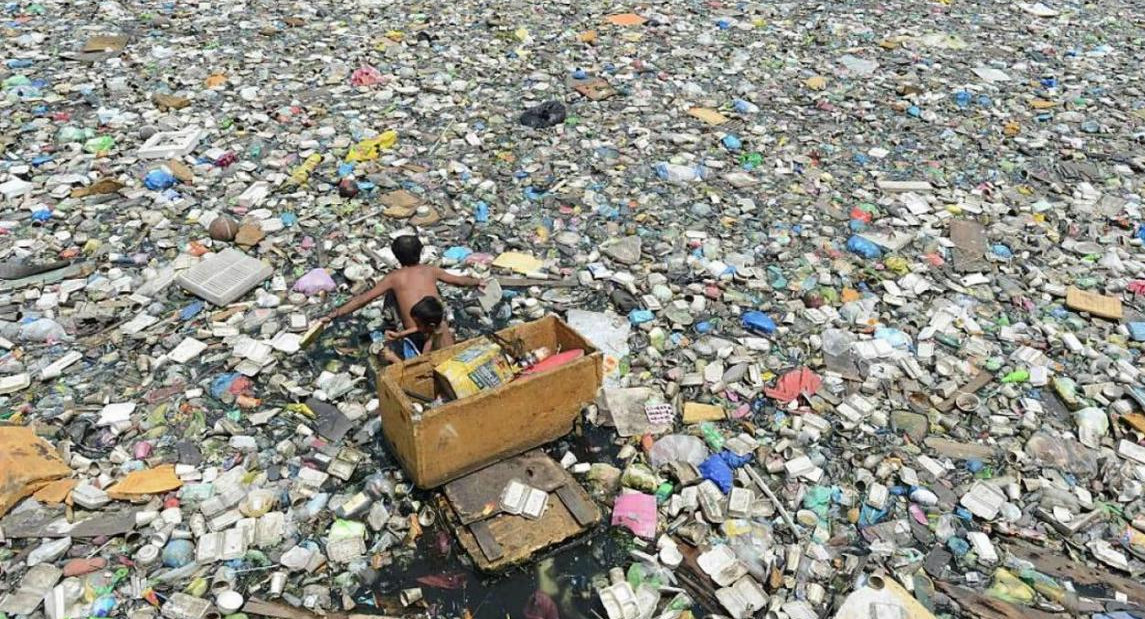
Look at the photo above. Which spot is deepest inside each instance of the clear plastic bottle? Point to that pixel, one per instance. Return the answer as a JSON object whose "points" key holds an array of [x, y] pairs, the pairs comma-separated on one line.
{"points": [[675, 173]]}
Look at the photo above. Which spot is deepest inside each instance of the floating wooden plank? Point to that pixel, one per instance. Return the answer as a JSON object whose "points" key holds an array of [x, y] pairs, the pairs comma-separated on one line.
{"points": [[581, 509], [489, 546]]}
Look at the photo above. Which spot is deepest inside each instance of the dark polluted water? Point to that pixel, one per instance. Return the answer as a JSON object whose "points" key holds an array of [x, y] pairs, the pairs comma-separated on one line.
{"points": [[565, 574]]}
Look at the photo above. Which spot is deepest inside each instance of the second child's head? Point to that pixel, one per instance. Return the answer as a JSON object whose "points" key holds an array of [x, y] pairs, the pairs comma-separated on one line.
{"points": [[428, 314], [407, 249]]}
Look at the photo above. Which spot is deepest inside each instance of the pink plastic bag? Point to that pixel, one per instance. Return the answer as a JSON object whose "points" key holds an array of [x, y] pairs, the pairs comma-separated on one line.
{"points": [[637, 513], [366, 76], [317, 280]]}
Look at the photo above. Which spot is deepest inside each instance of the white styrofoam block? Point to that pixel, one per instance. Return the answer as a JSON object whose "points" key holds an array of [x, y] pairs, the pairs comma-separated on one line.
{"points": [[170, 144]]}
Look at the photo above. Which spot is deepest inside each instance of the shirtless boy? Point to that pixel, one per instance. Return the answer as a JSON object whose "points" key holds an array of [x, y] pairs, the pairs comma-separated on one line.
{"points": [[410, 284]]}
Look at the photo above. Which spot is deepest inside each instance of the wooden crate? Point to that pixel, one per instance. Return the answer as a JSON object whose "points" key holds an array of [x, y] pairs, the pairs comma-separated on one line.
{"points": [[465, 435]]}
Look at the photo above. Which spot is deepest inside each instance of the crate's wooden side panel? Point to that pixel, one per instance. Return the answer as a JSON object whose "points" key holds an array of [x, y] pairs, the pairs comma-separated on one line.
{"points": [[483, 429], [396, 423]]}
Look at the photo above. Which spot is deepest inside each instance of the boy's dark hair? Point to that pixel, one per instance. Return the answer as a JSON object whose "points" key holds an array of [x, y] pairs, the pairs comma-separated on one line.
{"points": [[407, 249], [429, 312]]}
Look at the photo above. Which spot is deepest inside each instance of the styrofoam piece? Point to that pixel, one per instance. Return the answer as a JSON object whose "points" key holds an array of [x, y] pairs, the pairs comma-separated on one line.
{"points": [[743, 599], [983, 500], [169, 144], [224, 277], [254, 195], [15, 188], [188, 349], [524, 500]]}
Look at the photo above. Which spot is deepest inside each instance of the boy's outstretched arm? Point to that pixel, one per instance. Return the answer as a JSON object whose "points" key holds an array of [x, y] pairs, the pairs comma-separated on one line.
{"points": [[456, 280], [357, 302]]}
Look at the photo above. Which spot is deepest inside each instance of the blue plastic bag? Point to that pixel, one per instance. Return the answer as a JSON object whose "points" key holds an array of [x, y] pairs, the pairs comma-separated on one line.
{"points": [[734, 461], [158, 180], [758, 322], [718, 471], [858, 245]]}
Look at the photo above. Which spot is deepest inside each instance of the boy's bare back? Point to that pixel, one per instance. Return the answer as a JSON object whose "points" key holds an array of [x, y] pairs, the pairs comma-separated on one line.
{"points": [[410, 285]]}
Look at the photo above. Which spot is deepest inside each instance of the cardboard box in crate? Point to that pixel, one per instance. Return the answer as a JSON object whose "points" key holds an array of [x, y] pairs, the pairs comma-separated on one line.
{"points": [[465, 435]]}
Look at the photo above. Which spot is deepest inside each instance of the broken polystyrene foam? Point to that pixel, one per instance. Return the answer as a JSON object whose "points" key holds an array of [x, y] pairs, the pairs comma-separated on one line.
{"points": [[116, 413], [171, 144], [225, 276], [722, 565], [187, 350], [522, 499], [983, 500], [254, 195]]}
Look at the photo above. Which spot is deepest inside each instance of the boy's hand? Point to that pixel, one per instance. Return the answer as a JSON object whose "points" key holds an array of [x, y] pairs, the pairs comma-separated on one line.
{"points": [[392, 335]]}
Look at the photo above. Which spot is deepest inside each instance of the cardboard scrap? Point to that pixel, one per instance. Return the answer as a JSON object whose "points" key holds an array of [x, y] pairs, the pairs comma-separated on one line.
{"points": [[625, 19], [167, 102], [55, 492], [595, 89], [694, 412], [708, 115], [518, 262], [148, 481], [969, 238], [26, 461], [249, 234], [817, 82], [105, 43], [180, 170], [101, 187], [1135, 421], [1093, 303], [399, 199], [399, 204]]}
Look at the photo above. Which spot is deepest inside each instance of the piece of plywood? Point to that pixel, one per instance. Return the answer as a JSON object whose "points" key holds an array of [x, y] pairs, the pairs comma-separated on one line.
{"points": [[578, 504], [519, 539], [476, 496], [484, 537], [1093, 303]]}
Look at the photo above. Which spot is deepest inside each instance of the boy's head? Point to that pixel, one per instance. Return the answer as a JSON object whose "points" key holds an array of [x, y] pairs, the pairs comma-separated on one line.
{"points": [[407, 249], [428, 313]]}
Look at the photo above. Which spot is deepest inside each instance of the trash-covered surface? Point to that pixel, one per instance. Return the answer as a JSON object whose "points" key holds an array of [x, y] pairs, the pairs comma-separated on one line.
{"points": [[867, 277]]}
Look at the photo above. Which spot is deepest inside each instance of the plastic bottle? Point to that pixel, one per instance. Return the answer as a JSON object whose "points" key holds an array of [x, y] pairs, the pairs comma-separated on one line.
{"points": [[712, 436], [49, 551], [254, 153], [1017, 376], [837, 342], [302, 173], [675, 173]]}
